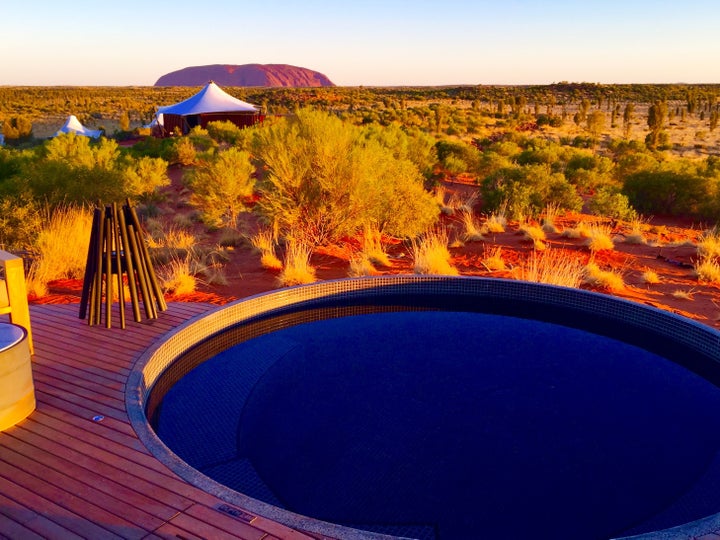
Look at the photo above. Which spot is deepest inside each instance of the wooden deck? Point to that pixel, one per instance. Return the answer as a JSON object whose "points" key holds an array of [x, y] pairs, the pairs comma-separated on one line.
{"points": [[76, 469]]}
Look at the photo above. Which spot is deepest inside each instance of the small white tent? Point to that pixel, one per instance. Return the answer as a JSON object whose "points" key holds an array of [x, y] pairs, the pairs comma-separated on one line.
{"points": [[72, 124], [210, 104]]}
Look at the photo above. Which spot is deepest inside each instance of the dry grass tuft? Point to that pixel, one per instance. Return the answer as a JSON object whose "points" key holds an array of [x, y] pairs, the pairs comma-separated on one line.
{"points": [[177, 276], [581, 230], [264, 243], [60, 250], [472, 227], [609, 280], [372, 247], [360, 265], [636, 235], [493, 261], [297, 269], [650, 277], [552, 212], [707, 270], [495, 223], [708, 246], [554, 267], [600, 238], [683, 295], [431, 254]]}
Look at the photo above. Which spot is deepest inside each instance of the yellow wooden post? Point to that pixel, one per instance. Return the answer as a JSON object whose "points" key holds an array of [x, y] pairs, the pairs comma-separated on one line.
{"points": [[17, 301]]}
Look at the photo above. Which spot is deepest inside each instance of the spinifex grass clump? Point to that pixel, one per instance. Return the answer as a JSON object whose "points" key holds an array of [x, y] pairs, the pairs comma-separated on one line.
{"points": [[177, 276], [548, 221], [60, 249], [554, 267], [708, 270], [372, 246], [495, 223], [431, 254], [534, 234], [637, 234], [600, 238], [493, 260], [297, 269], [708, 246], [608, 280], [650, 277], [472, 227], [264, 243]]}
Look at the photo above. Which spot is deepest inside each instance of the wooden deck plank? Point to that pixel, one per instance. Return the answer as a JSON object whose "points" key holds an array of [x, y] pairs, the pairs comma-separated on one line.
{"points": [[146, 482], [59, 510], [32, 522], [64, 474]]}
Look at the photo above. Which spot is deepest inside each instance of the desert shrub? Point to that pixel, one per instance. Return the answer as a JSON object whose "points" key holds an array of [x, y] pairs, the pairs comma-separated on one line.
{"points": [[669, 190], [221, 187], [457, 156], [182, 152], [609, 202], [72, 169], [21, 219], [413, 145], [527, 190], [228, 133], [143, 177], [323, 179]]}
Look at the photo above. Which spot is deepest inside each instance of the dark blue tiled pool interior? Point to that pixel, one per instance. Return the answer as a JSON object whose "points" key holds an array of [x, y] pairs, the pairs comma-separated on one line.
{"points": [[444, 422]]}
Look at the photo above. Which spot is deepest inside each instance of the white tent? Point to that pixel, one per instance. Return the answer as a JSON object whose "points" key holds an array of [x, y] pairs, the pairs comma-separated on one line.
{"points": [[73, 125], [209, 104]]}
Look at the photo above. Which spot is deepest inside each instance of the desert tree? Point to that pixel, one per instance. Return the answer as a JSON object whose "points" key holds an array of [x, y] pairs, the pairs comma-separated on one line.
{"points": [[657, 115], [596, 123]]}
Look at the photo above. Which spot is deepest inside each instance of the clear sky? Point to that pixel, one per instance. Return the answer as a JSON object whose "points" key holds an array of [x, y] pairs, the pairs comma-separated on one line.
{"points": [[364, 42]]}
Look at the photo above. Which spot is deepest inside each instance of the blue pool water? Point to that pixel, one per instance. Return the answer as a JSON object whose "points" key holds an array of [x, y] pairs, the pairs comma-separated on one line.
{"points": [[453, 425]]}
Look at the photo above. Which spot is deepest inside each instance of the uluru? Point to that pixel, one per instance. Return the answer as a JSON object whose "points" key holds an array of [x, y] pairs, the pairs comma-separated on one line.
{"points": [[245, 75]]}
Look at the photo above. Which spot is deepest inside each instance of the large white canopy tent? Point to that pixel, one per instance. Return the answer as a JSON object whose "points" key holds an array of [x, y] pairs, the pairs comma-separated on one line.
{"points": [[210, 104], [73, 125]]}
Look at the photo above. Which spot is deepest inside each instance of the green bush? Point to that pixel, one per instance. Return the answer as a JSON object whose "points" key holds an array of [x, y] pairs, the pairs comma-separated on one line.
{"points": [[669, 192], [609, 202], [323, 179], [528, 190], [221, 187]]}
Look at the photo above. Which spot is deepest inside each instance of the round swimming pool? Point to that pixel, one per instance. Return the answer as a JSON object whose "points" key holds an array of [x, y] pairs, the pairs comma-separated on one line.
{"points": [[442, 408]]}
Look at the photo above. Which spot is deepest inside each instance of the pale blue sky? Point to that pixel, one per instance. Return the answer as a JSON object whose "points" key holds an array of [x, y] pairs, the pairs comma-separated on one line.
{"points": [[371, 42]]}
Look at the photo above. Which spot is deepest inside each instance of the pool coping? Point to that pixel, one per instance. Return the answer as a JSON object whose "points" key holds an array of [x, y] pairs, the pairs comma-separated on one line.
{"points": [[499, 292]]}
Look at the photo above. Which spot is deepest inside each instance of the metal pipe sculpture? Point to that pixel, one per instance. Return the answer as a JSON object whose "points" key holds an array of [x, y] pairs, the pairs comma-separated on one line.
{"points": [[117, 248]]}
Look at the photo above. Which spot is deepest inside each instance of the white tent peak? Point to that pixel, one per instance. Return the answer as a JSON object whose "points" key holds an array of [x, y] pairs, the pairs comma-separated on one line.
{"points": [[73, 125], [211, 99]]}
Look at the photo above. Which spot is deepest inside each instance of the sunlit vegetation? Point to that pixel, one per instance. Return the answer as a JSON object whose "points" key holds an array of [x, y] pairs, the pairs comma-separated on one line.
{"points": [[431, 254], [554, 267], [330, 161]]}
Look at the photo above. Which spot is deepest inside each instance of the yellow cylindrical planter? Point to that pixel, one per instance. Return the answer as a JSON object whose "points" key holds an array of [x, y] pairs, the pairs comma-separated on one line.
{"points": [[17, 392]]}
